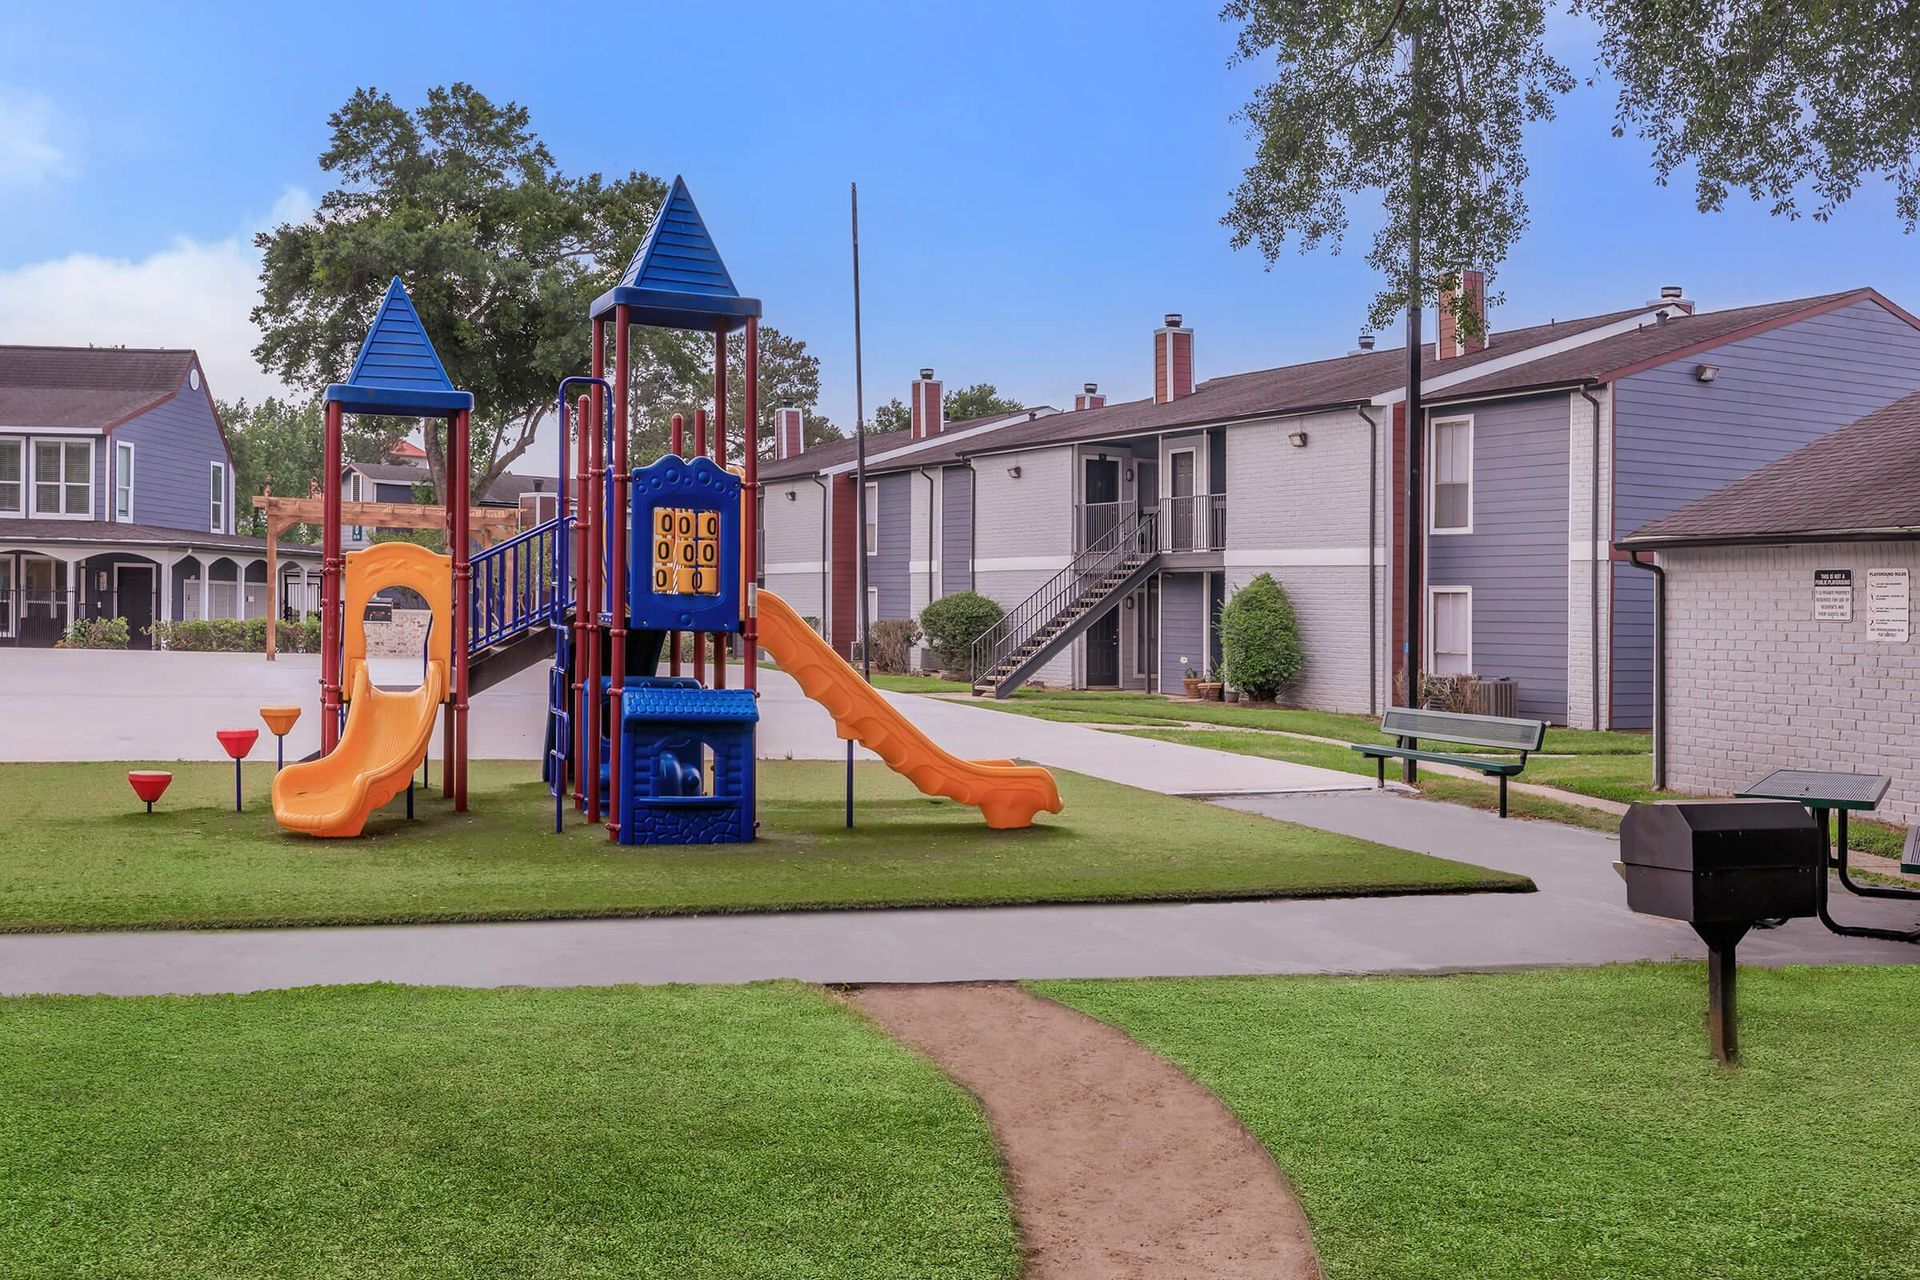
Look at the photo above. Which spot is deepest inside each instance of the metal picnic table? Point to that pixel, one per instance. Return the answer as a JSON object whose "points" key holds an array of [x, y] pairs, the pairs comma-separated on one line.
{"points": [[1825, 794]]}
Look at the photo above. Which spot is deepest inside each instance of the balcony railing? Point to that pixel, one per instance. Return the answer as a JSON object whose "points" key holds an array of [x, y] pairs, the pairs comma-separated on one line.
{"points": [[1197, 523]]}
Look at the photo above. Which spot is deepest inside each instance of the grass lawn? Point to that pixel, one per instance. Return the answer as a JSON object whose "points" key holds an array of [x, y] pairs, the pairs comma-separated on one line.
{"points": [[918, 684], [1567, 1125], [82, 854], [669, 1132]]}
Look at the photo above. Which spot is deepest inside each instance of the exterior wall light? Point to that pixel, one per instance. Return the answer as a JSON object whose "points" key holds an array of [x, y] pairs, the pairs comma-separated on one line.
{"points": [[790, 495], [1013, 472], [1298, 439], [1706, 372]]}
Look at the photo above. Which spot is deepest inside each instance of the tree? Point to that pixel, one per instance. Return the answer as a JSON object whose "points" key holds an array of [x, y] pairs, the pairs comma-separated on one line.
{"points": [[1260, 650], [1787, 102], [981, 400], [277, 444], [789, 374], [891, 416], [501, 251]]}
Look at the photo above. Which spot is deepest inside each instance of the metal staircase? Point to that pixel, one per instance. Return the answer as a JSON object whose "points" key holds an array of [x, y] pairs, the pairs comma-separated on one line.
{"points": [[1036, 629]]}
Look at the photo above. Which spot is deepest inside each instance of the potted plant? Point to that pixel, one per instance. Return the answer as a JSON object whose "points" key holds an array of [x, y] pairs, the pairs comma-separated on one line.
{"points": [[1211, 691], [1191, 682]]}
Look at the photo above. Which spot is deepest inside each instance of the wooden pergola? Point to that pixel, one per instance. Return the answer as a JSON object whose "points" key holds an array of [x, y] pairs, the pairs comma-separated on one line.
{"points": [[489, 525]]}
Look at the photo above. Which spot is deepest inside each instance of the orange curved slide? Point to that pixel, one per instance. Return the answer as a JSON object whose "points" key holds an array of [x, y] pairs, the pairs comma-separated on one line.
{"points": [[1007, 795], [385, 740]]}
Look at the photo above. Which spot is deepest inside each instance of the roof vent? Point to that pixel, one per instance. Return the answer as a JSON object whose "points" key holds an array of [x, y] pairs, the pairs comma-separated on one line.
{"points": [[1672, 295], [1173, 319], [926, 373], [1669, 292]]}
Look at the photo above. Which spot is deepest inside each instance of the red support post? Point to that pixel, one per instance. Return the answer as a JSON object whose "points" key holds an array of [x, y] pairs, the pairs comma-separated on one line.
{"points": [[679, 451], [720, 460], [750, 510], [700, 637], [331, 568], [462, 468], [581, 419], [617, 566], [596, 532]]}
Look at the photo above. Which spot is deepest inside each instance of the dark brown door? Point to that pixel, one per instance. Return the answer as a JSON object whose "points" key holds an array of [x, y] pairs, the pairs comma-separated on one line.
{"points": [[133, 600], [1103, 652]]}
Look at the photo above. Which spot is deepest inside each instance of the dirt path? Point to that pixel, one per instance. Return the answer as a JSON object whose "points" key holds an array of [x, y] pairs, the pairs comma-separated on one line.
{"points": [[1120, 1166]]}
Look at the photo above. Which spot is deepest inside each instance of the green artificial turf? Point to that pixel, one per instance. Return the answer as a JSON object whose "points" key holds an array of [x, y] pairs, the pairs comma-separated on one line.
{"points": [[380, 1132], [81, 854], [1567, 1125]]}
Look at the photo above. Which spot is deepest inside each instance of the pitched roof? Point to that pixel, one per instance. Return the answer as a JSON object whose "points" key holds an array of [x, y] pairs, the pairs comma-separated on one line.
{"points": [[14, 531], [1295, 388], [86, 386], [509, 487], [1652, 343], [397, 371], [1862, 479], [829, 453], [676, 278]]}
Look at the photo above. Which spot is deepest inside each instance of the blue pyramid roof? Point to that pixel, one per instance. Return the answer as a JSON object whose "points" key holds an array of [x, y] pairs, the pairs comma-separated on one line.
{"points": [[397, 371], [676, 279]]}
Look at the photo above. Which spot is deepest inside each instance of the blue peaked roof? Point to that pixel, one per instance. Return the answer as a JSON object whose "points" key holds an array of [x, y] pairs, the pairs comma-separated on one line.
{"points": [[676, 279], [659, 702], [397, 371]]}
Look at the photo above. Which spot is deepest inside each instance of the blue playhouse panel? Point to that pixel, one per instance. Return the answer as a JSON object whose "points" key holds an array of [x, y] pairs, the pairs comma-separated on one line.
{"points": [[397, 371], [664, 726], [690, 484], [676, 279]]}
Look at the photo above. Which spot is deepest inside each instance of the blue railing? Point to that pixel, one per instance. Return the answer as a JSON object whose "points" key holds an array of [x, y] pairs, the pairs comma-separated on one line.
{"points": [[520, 584]]}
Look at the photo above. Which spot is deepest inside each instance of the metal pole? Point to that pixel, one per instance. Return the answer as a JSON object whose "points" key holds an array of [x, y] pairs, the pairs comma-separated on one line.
{"points": [[1722, 1021], [750, 521], [596, 513], [859, 480], [462, 598], [330, 569], [1415, 560], [720, 460], [699, 637], [617, 564], [679, 450]]}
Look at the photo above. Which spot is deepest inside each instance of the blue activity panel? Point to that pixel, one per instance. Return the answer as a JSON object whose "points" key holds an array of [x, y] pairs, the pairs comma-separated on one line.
{"points": [[685, 547]]}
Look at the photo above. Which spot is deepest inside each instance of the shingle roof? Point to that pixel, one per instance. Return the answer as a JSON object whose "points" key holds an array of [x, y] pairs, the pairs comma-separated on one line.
{"points": [[1294, 388], [390, 472], [1596, 361], [508, 488], [832, 453], [93, 532], [85, 386], [1861, 479]]}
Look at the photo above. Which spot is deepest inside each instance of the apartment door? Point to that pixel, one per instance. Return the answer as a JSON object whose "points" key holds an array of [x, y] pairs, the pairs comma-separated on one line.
{"points": [[9, 603], [1180, 501], [1103, 652], [1146, 485], [133, 600], [1099, 499]]}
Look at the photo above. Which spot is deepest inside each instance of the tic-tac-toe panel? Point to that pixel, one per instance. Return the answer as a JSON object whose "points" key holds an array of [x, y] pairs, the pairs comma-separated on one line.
{"points": [[686, 512]]}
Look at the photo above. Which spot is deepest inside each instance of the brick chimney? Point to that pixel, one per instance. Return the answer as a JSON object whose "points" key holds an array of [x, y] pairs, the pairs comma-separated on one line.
{"points": [[787, 423], [1172, 360], [1089, 398], [929, 412], [1473, 282], [1672, 295]]}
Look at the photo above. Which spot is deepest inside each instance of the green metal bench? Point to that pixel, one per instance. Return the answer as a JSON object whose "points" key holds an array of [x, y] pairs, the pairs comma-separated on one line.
{"points": [[1406, 723]]}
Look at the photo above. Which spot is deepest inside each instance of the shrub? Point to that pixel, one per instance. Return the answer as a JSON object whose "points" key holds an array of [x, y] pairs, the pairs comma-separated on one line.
{"points": [[95, 633], [235, 635], [952, 623], [893, 640], [1260, 640], [1440, 693]]}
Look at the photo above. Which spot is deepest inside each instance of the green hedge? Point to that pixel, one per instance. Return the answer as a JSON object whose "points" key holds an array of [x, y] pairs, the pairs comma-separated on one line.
{"points": [[1260, 640], [953, 623], [235, 635], [95, 633]]}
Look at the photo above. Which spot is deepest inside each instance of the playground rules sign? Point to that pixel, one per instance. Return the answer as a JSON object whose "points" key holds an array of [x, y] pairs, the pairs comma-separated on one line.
{"points": [[1889, 605], [1833, 595]]}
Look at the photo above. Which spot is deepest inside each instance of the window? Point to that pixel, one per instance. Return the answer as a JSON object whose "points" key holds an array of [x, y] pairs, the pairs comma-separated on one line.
{"points": [[873, 519], [217, 497], [1450, 631], [13, 477], [122, 481], [63, 478], [873, 605], [1452, 467]]}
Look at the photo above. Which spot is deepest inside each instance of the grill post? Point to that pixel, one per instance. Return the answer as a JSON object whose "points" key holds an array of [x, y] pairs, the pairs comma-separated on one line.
{"points": [[1722, 1020]]}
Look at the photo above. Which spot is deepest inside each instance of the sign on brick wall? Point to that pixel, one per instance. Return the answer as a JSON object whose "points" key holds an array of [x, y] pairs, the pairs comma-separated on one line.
{"points": [[1833, 595], [1889, 605]]}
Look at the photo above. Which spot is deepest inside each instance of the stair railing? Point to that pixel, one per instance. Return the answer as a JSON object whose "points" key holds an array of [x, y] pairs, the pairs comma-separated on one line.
{"points": [[1130, 539], [519, 584]]}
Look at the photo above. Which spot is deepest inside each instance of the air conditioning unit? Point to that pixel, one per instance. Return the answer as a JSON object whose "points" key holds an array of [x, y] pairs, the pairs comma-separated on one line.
{"points": [[1496, 698]]}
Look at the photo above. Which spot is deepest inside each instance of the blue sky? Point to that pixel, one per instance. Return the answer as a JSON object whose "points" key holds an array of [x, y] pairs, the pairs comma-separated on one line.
{"points": [[1038, 182]]}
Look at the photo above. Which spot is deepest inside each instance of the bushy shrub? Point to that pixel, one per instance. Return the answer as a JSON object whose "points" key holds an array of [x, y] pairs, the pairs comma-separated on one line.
{"points": [[952, 623], [893, 640], [1260, 640], [235, 635], [95, 633]]}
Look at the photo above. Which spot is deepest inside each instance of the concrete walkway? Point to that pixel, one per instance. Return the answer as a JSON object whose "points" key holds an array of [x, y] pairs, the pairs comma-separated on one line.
{"points": [[1578, 917]]}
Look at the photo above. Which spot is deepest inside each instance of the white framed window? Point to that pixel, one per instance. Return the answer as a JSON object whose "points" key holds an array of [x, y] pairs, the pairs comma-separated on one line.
{"points": [[217, 497], [13, 477], [356, 492], [1450, 630], [1450, 463], [873, 605], [873, 518], [63, 479], [123, 481]]}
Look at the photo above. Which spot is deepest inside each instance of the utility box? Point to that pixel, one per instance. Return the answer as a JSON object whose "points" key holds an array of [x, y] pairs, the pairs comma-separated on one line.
{"points": [[1722, 861]]}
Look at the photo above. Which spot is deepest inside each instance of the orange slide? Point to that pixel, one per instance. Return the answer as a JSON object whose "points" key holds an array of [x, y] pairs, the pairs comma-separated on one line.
{"points": [[387, 733], [1007, 795]]}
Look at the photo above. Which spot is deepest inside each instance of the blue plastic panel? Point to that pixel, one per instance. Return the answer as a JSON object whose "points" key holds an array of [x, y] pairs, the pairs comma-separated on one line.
{"points": [[687, 484]]}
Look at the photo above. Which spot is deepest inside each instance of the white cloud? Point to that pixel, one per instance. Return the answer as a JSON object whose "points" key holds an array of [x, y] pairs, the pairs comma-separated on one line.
{"points": [[30, 152], [194, 293]]}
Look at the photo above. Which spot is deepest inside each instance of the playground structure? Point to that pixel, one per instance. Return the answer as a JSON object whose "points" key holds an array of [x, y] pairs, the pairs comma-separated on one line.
{"points": [[638, 563]]}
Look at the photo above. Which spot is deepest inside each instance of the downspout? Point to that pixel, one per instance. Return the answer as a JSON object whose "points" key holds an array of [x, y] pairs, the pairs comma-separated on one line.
{"points": [[1373, 570], [826, 556], [931, 533], [1593, 564], [1659, 667]]}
